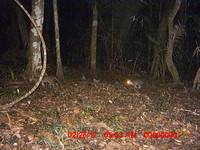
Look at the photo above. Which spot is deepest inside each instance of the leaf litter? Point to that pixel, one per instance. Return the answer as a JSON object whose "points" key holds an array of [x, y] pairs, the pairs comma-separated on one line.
{"points": [[77, 113]]}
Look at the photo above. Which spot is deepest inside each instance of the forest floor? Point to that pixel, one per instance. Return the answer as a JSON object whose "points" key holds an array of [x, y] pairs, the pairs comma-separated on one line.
{"points": [[99, 111]]}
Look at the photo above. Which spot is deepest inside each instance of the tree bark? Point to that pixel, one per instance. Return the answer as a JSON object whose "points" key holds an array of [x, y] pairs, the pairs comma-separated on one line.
{"points": [[23, 27], [59, 71], [159, 57], [196, 82], [94, 38], [5, 107], [34, 65], [169, 54], [48, 9]]}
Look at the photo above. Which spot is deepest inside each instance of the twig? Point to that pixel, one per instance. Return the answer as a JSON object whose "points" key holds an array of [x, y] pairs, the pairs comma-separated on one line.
{"points": [[194, 113], [9, 120]]}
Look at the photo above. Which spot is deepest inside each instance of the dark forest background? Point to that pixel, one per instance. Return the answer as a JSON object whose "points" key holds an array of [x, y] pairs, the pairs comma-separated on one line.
{"points": [[127, 34]]}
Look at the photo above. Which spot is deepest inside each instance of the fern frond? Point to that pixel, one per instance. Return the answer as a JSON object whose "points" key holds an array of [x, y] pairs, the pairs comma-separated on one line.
{"points": [[152, 39], [179, 32]]}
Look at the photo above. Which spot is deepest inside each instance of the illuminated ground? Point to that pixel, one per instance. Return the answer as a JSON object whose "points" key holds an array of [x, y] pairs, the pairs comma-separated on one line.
{"points": [[96, 104]]}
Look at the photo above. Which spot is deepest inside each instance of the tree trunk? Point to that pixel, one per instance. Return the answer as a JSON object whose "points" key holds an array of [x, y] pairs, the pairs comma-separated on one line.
{"points": [[34, 65], [158, 66], [196, 82], [111, 55], [149, 45], [23, 27], [171, 39], [94, 38], [160, 45], [59, 71], [48, 9]]}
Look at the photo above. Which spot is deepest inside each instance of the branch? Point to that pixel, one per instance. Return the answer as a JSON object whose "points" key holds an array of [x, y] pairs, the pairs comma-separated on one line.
{"points": [[194, 113], [175, 9]]}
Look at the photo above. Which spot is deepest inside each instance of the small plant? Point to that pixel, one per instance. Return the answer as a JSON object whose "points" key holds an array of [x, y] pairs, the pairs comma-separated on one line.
{"points": [[9, 93], [11, 73], [96, 81], [83, 78], [52, 113]]}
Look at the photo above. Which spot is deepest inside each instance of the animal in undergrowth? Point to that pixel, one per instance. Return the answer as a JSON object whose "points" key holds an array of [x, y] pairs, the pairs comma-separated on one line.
{"points": [[137, 84], [47, 81]]}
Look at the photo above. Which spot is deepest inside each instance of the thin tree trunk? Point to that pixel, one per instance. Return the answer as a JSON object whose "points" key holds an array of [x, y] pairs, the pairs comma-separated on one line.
{"points": [[150, 46], [157, 67], [112, 42], [46, 30], [34, 65], [196, 82], [94, 38], [169, 53], [160, 10], [59, 71], [23, 27], [160, 46]]}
